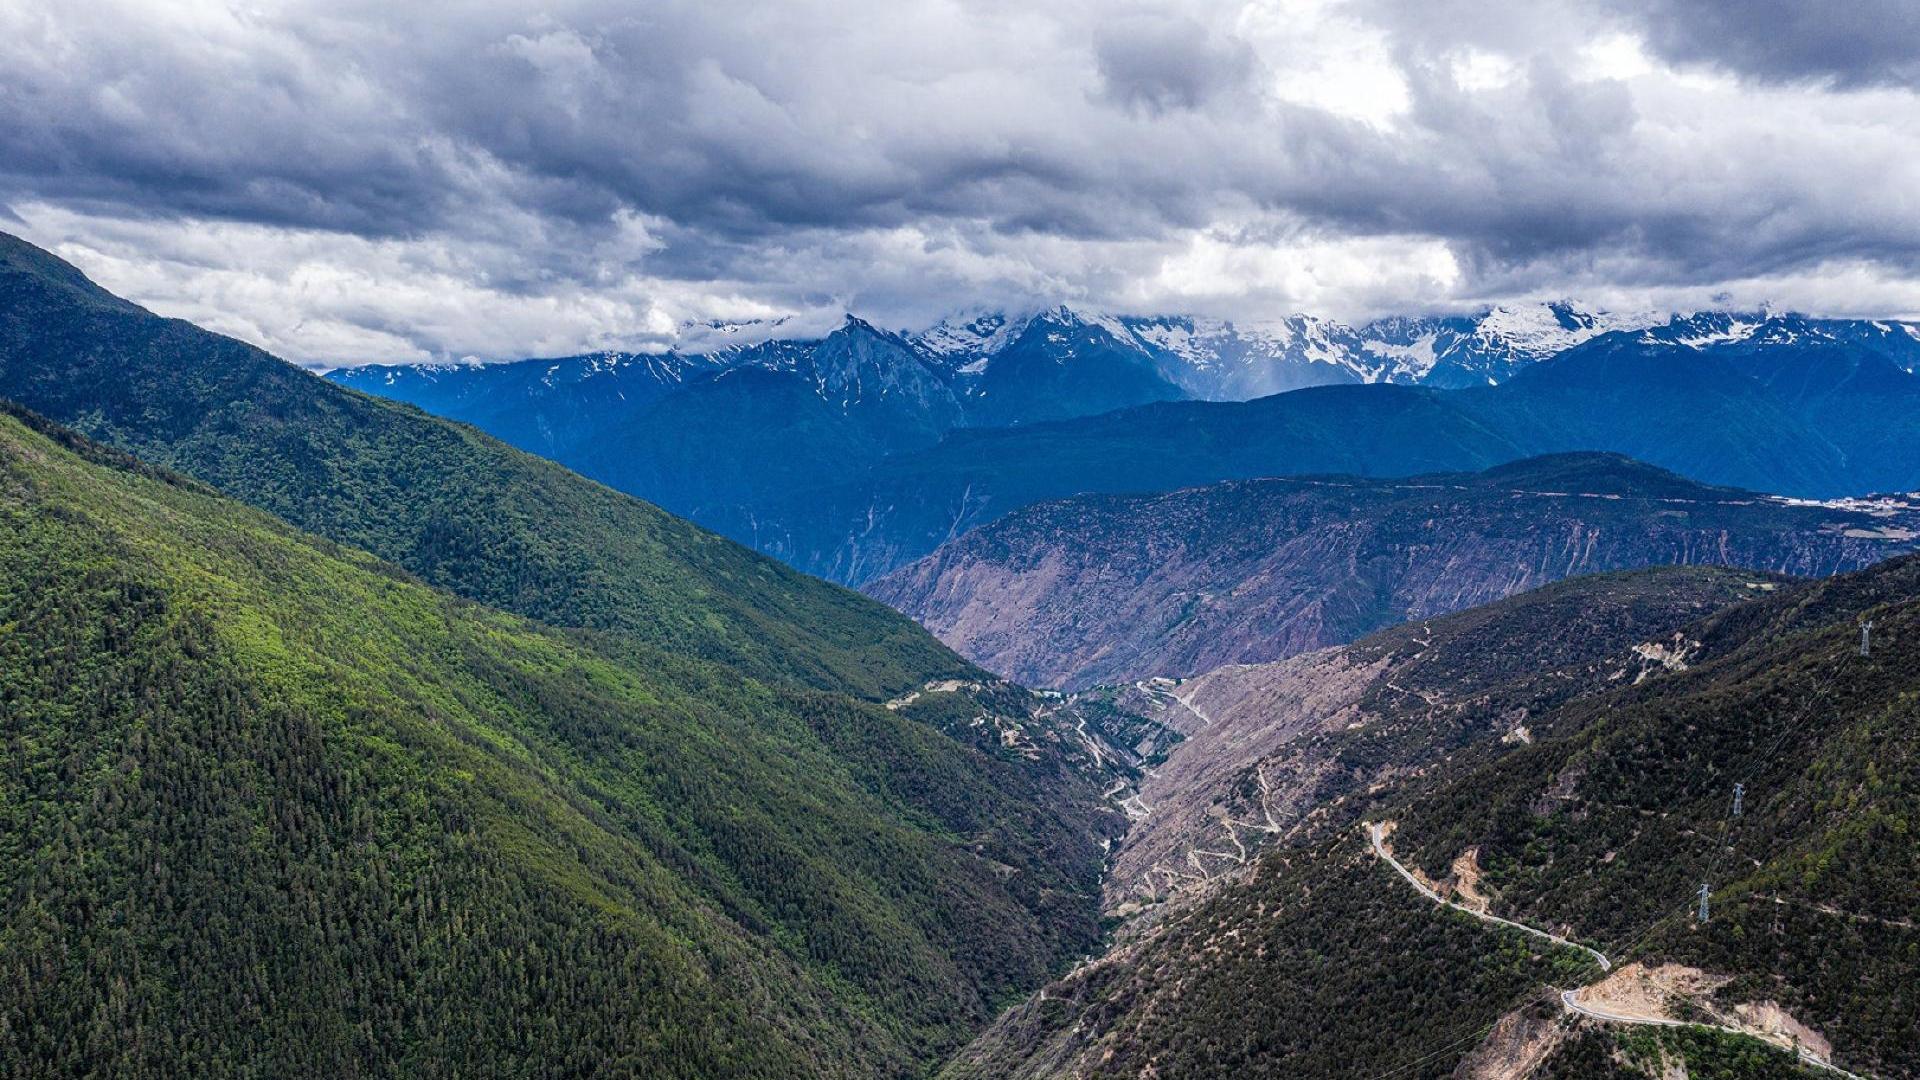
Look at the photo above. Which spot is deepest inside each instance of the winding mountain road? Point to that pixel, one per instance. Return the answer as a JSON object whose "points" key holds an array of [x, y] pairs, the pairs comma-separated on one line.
{"points": [[1569, 999], [1377, 833]]}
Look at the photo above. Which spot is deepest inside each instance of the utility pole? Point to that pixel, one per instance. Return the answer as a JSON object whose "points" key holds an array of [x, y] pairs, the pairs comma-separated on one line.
{"points": [[1739, 793], [1703, 903], [1866, 639]]}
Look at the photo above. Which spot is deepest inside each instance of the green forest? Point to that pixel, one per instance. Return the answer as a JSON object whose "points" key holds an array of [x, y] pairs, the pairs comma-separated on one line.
{"points": [[274, 807], [461, 510]]}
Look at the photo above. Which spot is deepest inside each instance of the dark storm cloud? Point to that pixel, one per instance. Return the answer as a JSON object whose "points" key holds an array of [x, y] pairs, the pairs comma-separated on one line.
{"points": [[1156, 62], [1851, 44], [677, 159]]}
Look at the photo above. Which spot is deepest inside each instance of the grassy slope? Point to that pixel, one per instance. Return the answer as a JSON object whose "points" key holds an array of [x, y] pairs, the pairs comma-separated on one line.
{"points": [[460, 509], [270, 805]]}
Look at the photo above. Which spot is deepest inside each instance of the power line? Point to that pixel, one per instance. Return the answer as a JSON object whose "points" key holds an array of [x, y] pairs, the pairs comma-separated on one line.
{"points": [[1822, 689]]}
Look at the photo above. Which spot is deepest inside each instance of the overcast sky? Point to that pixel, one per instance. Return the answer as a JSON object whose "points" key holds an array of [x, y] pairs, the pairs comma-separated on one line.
{"points": [[345, 181]]}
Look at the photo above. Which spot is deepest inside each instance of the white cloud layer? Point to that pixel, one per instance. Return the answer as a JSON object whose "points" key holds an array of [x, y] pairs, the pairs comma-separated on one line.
{"points": [[346, 181]]}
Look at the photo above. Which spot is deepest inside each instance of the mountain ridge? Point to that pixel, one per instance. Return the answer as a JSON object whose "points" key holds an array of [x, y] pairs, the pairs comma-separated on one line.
{"points": [[1115, 588], [275, 805], [1780, 403], [451, 504]]}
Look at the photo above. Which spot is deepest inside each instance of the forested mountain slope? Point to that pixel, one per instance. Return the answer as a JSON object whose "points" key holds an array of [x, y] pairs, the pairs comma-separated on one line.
{"points": [[456, 507], [269, 806], [1601, 824], [1612, 821], [1112, 588]]}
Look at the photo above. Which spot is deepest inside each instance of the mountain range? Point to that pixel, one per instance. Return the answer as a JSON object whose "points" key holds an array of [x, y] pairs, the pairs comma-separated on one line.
{"points": [[1116, 588], [1202, 358], [851, 455], [337, 738], [1813, 421]]}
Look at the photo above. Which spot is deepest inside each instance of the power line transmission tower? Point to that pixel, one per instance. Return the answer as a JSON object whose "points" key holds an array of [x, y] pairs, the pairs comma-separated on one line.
{"points": [[1703, 903], [1866, 638], [1739, 795]]}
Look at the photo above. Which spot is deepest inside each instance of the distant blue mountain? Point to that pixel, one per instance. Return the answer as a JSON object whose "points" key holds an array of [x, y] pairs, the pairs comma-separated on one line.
{"points": [[849, 454], [1061, 365]]}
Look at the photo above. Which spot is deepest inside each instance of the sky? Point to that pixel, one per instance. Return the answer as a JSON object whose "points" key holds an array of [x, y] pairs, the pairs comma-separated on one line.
{"points": [[348, 181]]}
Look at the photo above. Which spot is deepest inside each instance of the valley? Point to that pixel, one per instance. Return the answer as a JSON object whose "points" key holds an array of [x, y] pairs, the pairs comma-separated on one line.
{"points": [[955, 540], [1775, 686], [1408, 762]]}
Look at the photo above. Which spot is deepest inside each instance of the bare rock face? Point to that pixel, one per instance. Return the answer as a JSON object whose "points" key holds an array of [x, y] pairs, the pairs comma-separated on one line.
{"points": [[1201, 819], [1107, 589], [1518, 1044]]}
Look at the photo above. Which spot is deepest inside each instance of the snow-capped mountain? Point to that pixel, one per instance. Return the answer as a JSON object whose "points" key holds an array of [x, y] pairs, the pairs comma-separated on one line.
{"points": [[1058, 364], [960, 341], [862, 370], [998, 368], [1220, 360], [1459, 351], [1897, 341]]}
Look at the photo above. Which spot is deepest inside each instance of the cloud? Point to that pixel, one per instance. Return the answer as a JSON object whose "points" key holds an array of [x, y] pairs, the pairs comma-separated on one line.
{"points": [[1853, 44], [353, 180], [1155, 63]]}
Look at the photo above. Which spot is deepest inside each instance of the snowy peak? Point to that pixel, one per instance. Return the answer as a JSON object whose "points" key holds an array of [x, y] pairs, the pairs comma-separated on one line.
{"points": [[1456, 351], [1221, 360], [1063, 334], [1897, 341], [861, 361], [965, 344], [1537, 331], [1705, 329], [971, 336], [860, 367], [1216, 359], [1071, 319]]}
